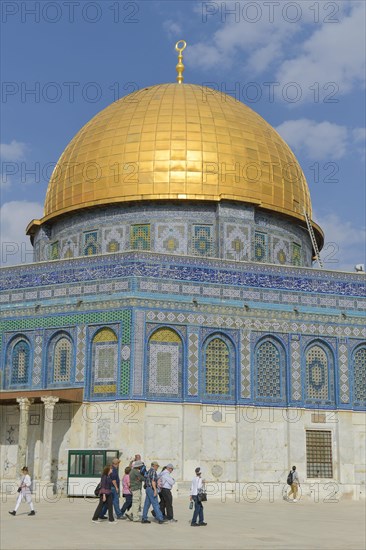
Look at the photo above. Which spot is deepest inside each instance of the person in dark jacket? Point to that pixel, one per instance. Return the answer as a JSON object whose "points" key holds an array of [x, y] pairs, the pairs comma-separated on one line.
{"points": [[105, 496]]}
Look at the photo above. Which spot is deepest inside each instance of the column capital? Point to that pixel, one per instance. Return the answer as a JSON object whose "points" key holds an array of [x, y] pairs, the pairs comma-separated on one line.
{"points": [[24, 403], [49, 401]]}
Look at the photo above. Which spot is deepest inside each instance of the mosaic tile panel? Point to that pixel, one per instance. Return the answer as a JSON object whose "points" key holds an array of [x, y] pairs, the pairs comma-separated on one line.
{"points": [[69, 247], [296, 389], [114, 239], [343, 371], [236, 242], [104, 433], [245, 364], [171, 238], [281, 251], [80, 354], [125, 353], [139, 324], [359, 370], [193, 358], [37, 360], [165, 268]]}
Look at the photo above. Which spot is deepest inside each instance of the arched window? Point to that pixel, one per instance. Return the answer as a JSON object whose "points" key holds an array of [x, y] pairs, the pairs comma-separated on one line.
{"points": [[269, 372], [104, 361], [217, 368], [165, 358], [359, 374], [62, 360], [20, 362], [317, 376]]}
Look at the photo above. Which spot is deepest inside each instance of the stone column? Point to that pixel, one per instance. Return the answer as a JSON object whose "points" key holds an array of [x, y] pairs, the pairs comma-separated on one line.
{"points": [[24, 404], [49, 405]]}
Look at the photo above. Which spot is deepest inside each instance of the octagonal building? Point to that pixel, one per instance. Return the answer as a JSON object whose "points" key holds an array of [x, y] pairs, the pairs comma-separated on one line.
{"points": [[172, 309]]}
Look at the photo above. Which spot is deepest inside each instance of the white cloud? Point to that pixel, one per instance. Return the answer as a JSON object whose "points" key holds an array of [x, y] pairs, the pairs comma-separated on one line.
{"points": [[317, 140], [172, 28], [14, 217], [310, 50], [333, 53], [10, 153], [15, 150], [344, 243], [359, 134]]}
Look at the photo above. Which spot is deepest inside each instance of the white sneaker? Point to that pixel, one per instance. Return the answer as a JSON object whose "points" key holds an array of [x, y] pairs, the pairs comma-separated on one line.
{"points": [[295, 500], [112, 522], [95, 520]]}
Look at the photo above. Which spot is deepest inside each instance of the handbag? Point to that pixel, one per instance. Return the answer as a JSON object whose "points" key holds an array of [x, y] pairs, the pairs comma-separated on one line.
{"points": [[19, 489], [97, 489], [202, 495]]}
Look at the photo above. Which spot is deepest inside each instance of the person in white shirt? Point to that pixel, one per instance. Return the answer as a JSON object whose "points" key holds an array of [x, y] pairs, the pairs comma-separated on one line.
{"points": [[24, 491], [166, 482], [196, 487]]}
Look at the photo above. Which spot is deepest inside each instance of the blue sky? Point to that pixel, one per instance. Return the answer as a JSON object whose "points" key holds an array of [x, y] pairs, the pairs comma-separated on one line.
{"points": [[300, 65]]}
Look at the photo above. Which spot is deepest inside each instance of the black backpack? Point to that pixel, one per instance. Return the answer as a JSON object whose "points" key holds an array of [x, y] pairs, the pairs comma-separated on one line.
{"points": [[289, 478]]}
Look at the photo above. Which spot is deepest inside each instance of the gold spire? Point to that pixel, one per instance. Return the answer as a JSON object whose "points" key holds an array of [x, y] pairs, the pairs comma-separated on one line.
{"points": [[180, 46]]}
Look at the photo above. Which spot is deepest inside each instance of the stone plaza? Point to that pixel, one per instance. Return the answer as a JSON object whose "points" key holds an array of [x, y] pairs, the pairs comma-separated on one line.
{"points": [[310, 524]]}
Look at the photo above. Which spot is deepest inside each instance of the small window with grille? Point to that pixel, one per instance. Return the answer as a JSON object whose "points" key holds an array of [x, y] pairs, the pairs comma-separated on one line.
{"points": [[319, 454]]}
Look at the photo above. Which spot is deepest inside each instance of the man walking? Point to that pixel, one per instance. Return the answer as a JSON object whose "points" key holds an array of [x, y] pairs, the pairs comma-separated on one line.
{"points": [[294, 485], [151, 499], [136, 480], [166, 497]]}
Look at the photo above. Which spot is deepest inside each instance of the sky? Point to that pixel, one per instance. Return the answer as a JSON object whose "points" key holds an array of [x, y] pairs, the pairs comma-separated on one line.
{"points": [[300, 65]]}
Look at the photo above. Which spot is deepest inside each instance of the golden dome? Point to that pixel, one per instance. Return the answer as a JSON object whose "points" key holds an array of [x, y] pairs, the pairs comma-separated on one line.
{"points": [[177, 141]]}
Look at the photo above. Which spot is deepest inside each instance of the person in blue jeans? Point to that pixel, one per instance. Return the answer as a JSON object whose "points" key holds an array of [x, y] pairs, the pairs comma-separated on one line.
{"points": [[114, 475], [151, 499], [196, 487]]}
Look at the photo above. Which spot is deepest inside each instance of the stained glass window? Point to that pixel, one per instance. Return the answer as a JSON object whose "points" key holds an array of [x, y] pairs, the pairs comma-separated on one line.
{"points": [[20, 363], [217, 368], [105, 361], [202, 241], [359, 369], [140, 237], [296, 254], [165, 362], [268, 370], [317, 373], [260, 247], [62, 360]]}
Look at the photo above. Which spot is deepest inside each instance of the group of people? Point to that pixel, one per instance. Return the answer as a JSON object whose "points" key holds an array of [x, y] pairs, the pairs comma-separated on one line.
{"points": [[137, 477]]}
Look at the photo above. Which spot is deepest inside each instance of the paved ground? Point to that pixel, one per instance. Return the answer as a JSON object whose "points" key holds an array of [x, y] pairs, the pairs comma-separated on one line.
{"points": [[279, 525]]}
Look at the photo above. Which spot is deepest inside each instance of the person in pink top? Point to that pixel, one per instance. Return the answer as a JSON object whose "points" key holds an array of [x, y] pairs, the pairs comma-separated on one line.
{"points": [[126, 492]]}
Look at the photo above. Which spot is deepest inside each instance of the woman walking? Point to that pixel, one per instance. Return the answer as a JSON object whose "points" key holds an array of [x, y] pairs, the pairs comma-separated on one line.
{"points": [[126, 491], [105, 496], [196, 487], [24, 491]]}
